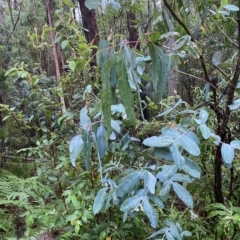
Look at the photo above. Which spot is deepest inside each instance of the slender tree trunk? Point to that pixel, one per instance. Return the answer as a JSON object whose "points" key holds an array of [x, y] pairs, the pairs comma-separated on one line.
{"points": [[172, 77], [89, 23], [56, 49], [132, 31]]}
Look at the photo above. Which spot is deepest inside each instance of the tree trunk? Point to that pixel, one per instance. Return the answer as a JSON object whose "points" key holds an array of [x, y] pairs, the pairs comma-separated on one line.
{"points": [[132, 31], [89, 23], [172, 77], [58, 58]]}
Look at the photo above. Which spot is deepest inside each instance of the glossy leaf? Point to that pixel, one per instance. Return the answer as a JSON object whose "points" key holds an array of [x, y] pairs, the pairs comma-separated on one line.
{"points": [[183, 194], [227, 153], [99, 200]]}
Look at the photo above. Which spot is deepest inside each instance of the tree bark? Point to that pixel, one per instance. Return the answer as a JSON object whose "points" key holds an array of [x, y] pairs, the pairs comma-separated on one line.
{"points": [[56, 49], [89, 23]]}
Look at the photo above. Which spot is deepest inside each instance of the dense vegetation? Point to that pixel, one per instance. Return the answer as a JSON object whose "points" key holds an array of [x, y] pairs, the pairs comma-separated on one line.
{"points": [[119, 119]]}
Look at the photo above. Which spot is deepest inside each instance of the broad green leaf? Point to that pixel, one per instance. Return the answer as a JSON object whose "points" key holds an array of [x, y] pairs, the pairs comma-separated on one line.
{"points": [[159, 70], [75, 148], [154, 37], [183, 194], [217, 213], [87, 149], [157, 141], [167, 172], [191, 168], [125, 93], [206, 132], [64, 44], [235, 144], [128, 183], [99, 200], [203, 115], [150, 212], [92, 4], [178, 177], [101, 141], [224, 2], [68, 3], [85, 120], [227, 153], [72, 65]]}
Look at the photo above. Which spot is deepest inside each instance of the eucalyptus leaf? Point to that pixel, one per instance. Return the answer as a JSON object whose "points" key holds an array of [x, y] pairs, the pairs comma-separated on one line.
{"points": [[167, 172], [150, 212], [99, 200], [85, 120], [227, 153], [235, 144], [183, 194], [75, 148]]}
